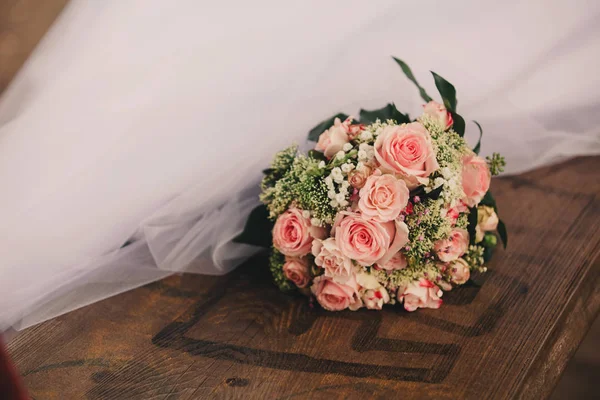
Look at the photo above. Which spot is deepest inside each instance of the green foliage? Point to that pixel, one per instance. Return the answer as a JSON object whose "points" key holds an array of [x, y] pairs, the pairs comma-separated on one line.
{"points": [[258, 229], [276, 261], [425, 227], [411, 77], [496, 163], [459, 124], [488, 200], [503, 233], [447, 91], [478, 145], [471, 227], [383, 114], [323, 126], [317, 155]]}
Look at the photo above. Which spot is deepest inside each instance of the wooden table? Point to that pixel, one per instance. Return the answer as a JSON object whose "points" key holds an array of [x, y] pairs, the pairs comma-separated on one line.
{"points": [[509, 335]]}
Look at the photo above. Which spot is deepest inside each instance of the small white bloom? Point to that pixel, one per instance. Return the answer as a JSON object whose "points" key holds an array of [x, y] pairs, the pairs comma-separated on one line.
{"points": [[347, 147], [347, 167], [362, 155], [366, 135], [306, 214], [315, 221], [322, 164], [331, 194], [333, 203], [439, 181], [329, 182], [340, 155], [336, 174]]}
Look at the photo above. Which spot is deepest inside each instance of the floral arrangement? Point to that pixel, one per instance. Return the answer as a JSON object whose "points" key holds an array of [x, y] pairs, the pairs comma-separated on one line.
{"points": [[384, 210]]}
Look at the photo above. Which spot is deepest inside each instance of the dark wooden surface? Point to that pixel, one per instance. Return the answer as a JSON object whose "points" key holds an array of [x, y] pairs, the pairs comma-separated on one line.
{"points": [[236, 336]]}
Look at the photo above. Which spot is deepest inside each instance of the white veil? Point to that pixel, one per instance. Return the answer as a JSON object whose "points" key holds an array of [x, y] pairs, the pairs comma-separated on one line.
{"points": [[148, 122]]}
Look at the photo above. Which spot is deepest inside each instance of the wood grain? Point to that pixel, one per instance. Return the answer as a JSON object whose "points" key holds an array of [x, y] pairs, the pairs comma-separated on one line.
{"points": [[508, 336], [236, 336], [22, 25]]}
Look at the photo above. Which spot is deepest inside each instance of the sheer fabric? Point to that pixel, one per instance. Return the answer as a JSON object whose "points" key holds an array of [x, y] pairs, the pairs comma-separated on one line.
{"points": [[148, 122]]}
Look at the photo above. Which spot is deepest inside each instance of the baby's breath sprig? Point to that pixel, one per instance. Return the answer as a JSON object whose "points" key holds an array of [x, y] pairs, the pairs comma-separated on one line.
{"points": [[474, 258]]}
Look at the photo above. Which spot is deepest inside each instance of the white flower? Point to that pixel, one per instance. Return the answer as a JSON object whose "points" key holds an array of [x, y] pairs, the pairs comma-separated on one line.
{"points": [[366, 135], [362, 155], [340, 155], [340, 198], [333, 203], [446, 172], [347, 167], [321, 164], [329, 182], [439, 181], [306, 214], [347, 147], [336, 174], [331, 194], [315, 221]]}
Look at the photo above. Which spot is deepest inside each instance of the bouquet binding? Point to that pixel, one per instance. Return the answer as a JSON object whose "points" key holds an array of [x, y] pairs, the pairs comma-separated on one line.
{"points": [[384, 210]]}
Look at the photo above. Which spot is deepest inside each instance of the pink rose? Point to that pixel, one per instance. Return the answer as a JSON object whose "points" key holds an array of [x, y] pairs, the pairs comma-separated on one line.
{"points": [[439, 114], [368, 242], [296, 270], [397, 262], [358, 177], [329, 257], [476, 179], [454, 247], [421, 294], [374, 299], [354, 130], [335, 296], [293, 234], [333, 140], [460, 271], [453, 213], [406, 150], [383, 197], [487, 220]]}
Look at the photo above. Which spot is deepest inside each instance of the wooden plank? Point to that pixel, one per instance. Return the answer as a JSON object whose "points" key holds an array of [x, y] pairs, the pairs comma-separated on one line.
{"points": [[237, 336], [22, 25]]}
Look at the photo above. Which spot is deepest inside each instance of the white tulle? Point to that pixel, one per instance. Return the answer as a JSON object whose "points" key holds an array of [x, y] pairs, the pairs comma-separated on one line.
{"points": [[149, 121]]}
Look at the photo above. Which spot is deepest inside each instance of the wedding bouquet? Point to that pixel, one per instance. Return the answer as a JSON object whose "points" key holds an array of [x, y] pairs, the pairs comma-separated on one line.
{"points": [[384, 210]]}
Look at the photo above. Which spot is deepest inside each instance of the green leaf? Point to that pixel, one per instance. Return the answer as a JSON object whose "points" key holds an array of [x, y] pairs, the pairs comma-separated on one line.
{"points": [[323, 126], [478, 145], [411, 77], [317, 155], [472, 219], [503, 233], [488, 200], [447, 91], [258, 229], [459, 124], [488, 252], [420, 191], [388, 112]]}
